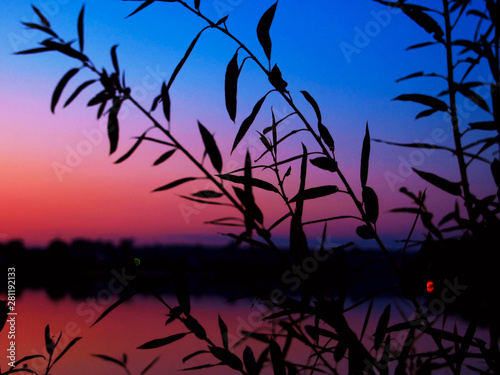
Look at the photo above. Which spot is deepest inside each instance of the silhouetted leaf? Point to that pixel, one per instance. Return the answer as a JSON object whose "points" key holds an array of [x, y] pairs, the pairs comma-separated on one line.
{"points": [[246, 197], [73, 342], [370, 201], [211, 148], [469, 46], [477, 13], [365, 232], [325, 163], [231, 86], [227, 357], [141, 7], [181, 289], [158, 141], [134, 147], [495, 171], [424, 20], [101, 109], [223, 332], [418, 74], [473, 96], [279, 221], [263, 29], [100, 98], [205, 202], [184, 58], [114, 59], [60, 87], [222, 20], [448, 186], [79, 89], [367, 318], [430, 101], [208, 194], [45, 29], [418, 15], [43, 20], [34, 50], [113, 306], [65, 49], [194, 326], [313, 103], [381, 327], [148, 367], [326, 136], [175, 183], [165, 98], [248, 122], [316, 192], [298, 240], [277, 358], [49, 344], [365, 157], [156, 100], [188, 357], [110, 359], [420, 45], [265, 141], [425, 113], [405, 352], [254, 182], [276, 79], [162, 342], [340, 350], [164, 157], [483, 125], [468, 337], [249, 360], [113, 126], [80, 28]]}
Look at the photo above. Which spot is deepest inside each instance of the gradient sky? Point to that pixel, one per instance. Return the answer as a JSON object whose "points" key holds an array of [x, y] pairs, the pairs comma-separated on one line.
{"points": [[97, 199]]}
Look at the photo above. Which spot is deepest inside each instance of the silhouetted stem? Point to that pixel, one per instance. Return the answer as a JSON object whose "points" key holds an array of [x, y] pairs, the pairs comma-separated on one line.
{"points": [[453, 113], [326, 152], [169, 135], [311, 345], [219, 185]]}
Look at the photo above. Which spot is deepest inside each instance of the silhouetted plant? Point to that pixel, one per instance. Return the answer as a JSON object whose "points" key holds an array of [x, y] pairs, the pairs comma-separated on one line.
{"points": [[479, 228], [314, 315], [50, 347]]}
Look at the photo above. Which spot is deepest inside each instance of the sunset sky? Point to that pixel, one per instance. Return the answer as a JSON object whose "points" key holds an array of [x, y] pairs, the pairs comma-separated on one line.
{"points": [[58, 181]]}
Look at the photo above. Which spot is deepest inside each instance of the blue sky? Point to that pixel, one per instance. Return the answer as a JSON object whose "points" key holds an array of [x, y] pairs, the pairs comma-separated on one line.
{"points": [[348, 57]]}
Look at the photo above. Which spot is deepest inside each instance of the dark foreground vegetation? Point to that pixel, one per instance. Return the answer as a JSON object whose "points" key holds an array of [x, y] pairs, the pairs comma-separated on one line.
{"points": [[456, 263]]}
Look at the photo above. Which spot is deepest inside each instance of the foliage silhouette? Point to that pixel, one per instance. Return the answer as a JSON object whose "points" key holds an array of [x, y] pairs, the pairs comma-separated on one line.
{"points": [[313, 301]]}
